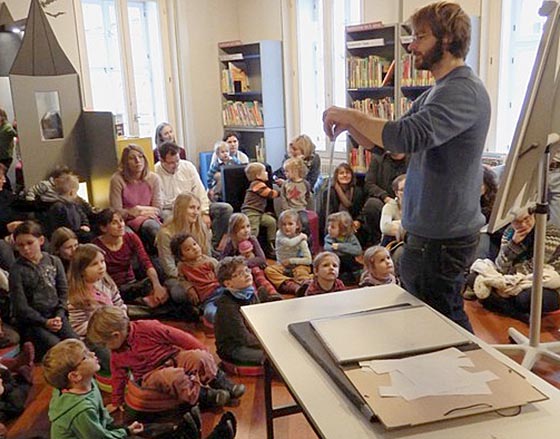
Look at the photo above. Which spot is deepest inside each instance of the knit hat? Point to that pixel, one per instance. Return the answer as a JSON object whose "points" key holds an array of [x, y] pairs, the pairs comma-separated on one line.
{"points": [[245, 246]]}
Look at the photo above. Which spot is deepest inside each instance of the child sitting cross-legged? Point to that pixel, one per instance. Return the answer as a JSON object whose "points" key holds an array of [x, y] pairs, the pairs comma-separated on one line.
{"points": [[325, 269], [76, 407], [292, 253], [160, 357], [378, 267], [341, 240], [198, 269], [234, 340]]}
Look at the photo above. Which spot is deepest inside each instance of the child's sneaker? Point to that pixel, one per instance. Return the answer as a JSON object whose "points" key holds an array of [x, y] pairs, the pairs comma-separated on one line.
{"points": [[210, 398], [223, 382]]}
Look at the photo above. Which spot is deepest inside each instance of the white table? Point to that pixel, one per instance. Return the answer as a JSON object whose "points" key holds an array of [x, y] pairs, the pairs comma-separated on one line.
{"points": [[333, 416]]}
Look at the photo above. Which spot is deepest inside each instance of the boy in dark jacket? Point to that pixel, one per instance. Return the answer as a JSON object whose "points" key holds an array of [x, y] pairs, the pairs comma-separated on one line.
{"points": [[234, 340]]}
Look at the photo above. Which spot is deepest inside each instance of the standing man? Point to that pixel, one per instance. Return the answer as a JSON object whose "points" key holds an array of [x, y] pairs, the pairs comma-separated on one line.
{"points": [[181, 176], [444, 132]]}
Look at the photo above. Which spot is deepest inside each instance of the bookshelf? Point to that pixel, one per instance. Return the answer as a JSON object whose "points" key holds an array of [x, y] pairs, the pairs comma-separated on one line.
{"points": [[380, 77], [252, 86]]}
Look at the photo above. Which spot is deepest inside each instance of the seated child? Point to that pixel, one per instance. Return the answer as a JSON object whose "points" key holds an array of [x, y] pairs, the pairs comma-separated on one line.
{"points": [[239, 229], [296, 191], [292, 253], [265, 290], [198, 269], [341, 240], [16, 378], [161, 357], [234, 340], [214, 176], [64, 243], [67, 211], [378, 267], [76, 408], [325, 269], [256, 197], [39, 291], [89, 287]]}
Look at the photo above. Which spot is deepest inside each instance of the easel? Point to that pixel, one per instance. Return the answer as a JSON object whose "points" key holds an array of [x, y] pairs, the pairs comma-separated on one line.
{"points": [[531, 345], [540, 115]]}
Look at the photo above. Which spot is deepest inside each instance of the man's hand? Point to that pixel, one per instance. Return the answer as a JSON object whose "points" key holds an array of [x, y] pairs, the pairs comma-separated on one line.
{"points": [[335, 121]]}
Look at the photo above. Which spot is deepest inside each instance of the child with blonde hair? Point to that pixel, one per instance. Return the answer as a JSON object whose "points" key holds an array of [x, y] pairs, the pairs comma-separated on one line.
{"points": [[379, 268], [256, 198], [239, 229], [214, 176], [341, 240], [67, 211], [292, 253], [159, 356], [326, 266], [302, 146]]}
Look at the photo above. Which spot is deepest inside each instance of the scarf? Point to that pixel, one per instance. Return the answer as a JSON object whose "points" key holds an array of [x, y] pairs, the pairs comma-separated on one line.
{"points": [[244, 294]]}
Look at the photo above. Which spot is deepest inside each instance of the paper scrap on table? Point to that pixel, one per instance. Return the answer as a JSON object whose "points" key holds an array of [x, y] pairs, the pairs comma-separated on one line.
{"points": [[436, 373]]}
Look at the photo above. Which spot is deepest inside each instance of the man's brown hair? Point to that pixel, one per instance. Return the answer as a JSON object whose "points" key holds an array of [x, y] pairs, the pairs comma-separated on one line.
{"points": [[446, 20]]}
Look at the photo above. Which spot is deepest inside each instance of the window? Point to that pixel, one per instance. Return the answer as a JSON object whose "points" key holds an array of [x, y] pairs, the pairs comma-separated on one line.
{"points": [[321, 60], [125, 62], [522, 29]]}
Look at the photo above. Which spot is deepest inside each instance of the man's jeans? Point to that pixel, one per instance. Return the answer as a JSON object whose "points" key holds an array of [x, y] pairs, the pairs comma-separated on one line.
{"points": [[434, 271]]}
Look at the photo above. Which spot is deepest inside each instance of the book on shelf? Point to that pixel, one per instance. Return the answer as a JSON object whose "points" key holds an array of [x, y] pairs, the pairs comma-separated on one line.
{"points": [[227, 44], [260, 152], [237, 113], [368, 72], [411, 77], [383, 108], [231, 57], [364, 26], [373, 42], [388, 79], [235, 79]]}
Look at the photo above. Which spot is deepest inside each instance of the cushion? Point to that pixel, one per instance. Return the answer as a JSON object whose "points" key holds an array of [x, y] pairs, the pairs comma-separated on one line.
{"points": [[248, 370], [144, 399]]}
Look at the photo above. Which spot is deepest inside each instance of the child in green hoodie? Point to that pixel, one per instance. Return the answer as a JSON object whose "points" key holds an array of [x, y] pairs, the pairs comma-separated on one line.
{"points": [[76, 409]]}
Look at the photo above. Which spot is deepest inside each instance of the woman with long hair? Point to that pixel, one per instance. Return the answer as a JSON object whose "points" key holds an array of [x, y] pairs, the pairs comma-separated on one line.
{"points": [[186, 218]]}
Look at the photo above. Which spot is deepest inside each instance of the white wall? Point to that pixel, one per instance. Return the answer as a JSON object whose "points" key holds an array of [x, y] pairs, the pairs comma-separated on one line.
{"points": [[259, 20], [202, 24]]}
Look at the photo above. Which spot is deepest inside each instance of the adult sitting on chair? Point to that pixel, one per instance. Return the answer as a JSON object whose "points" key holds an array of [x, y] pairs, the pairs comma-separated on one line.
{"points": [[179, 176], [382, 170]]}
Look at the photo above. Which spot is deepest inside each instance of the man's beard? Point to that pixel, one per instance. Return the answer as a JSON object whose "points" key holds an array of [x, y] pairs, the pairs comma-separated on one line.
{"points": [[433, 56]]}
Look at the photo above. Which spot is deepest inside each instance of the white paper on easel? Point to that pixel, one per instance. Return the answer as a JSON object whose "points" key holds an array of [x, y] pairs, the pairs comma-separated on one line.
{"points": [[386, 333], [438, 373]]}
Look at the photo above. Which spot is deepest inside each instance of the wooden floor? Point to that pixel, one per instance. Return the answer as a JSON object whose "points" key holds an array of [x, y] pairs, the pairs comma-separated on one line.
{"points": [[250, 412]]}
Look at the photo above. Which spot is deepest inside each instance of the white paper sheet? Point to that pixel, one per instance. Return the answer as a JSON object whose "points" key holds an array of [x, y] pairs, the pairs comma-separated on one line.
{"points": [[437, 373]]}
